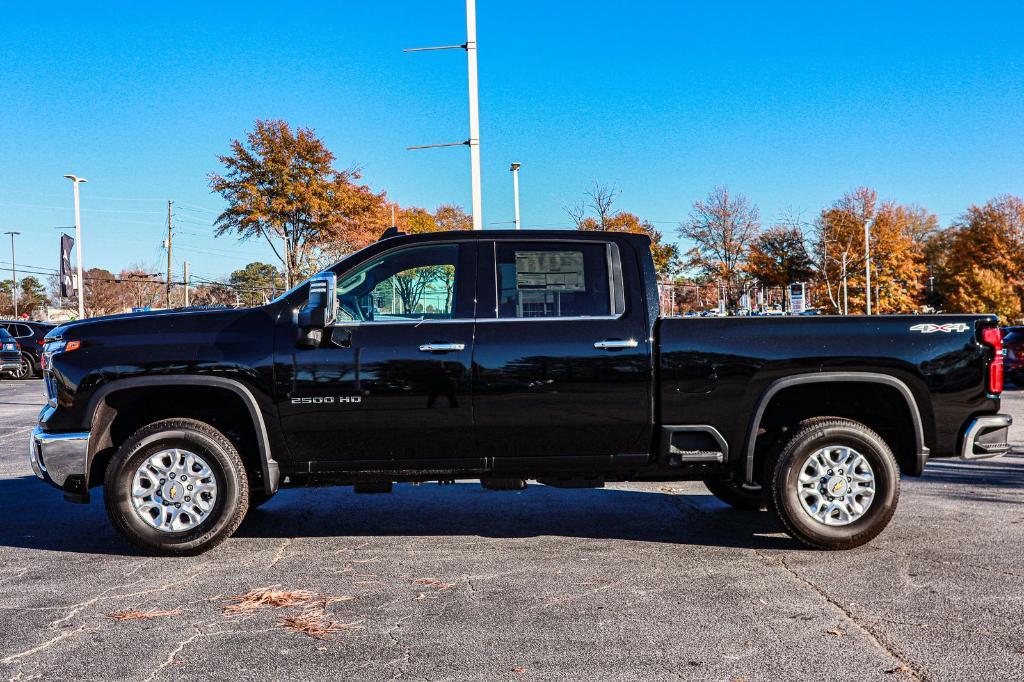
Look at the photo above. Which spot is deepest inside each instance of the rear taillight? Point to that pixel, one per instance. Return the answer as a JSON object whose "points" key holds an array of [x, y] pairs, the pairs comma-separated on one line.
{"points": [[991, 336]]}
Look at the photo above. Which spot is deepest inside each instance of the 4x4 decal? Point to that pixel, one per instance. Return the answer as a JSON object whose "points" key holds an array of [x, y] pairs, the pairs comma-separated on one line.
{"points": [[929, 328]]}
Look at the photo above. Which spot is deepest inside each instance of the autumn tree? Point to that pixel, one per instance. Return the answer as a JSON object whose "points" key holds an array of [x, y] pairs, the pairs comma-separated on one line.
{"points": [[597, 214], [214, 294], [723, 226], [281, 185], [778, 257], [103, 294], [839, 243], [898, 237], [983, 269], [139, 288], [445, 218]]}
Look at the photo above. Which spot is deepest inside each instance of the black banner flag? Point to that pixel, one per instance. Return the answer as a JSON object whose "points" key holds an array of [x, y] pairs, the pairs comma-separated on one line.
{"points": [[67, 278]]}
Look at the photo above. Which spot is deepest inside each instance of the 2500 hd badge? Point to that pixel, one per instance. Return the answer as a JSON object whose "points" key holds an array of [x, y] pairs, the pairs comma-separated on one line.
{"points": [[326, 399]]}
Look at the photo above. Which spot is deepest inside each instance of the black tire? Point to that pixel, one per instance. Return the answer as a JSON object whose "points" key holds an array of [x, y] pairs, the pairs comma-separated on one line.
{"points": [[230, 506], [785, 499], [738, 497]]}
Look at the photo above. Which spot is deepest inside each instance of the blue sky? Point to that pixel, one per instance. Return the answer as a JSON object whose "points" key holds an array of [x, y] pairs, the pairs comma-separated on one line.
{"points": [[790, 103]]}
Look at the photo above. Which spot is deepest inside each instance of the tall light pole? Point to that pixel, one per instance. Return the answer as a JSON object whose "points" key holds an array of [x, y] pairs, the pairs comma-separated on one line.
{"points": [[14, 274], [474, 112], [515, 191], [80, 284], [474, 116], [867, 263]]}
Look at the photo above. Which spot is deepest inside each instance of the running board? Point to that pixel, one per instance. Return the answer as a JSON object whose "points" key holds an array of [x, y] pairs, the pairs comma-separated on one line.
{"points": [[682, 444]]}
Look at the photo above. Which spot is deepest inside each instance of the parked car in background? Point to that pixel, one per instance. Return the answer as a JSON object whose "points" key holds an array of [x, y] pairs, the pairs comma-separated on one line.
{"points": [[29, 336], [1013, 361], [10, 353]]}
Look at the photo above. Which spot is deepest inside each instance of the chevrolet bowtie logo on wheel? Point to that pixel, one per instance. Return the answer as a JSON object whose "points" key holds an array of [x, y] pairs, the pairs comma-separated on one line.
{"points": [[929, 328]]}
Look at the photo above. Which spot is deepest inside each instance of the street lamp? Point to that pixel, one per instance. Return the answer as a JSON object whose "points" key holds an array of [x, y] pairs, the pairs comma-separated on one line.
{"points": [[75, 180], [867, 263], [14, 274], [515, 190]]}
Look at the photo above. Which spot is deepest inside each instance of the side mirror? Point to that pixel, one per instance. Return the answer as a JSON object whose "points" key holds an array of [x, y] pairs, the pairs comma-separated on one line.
{"points": [[320, 310]]}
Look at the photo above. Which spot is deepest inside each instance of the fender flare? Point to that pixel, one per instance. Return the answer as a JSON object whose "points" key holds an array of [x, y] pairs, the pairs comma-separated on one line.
{"points": [[269, 466], [833, 377]]}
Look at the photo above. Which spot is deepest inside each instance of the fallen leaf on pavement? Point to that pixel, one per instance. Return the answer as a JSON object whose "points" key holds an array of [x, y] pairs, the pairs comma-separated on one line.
{"points": [[316, 624]]}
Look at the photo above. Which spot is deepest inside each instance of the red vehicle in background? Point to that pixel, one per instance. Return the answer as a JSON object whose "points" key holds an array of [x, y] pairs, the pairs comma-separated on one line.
{"points": [[1013, 360]]}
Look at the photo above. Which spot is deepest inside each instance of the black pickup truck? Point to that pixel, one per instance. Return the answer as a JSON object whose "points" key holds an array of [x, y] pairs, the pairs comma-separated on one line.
{"points": [[506, 356]]}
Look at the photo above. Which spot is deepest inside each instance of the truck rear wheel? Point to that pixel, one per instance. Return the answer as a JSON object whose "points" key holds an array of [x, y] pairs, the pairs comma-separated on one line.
{"points": [[737, 496], [835, 485], [176, 487]]}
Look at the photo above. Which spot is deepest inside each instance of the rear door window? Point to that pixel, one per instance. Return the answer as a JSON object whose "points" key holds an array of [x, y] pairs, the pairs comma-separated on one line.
{"points": [[556, 279]]}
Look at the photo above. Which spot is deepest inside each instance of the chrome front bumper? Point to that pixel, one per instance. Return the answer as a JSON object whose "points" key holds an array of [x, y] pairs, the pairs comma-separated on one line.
{"points": [[987, 437], [60, 458]]}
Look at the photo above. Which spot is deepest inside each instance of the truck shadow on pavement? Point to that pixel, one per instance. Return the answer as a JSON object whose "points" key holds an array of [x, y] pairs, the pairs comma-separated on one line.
{"points": [[998, 480], [40, 519]]}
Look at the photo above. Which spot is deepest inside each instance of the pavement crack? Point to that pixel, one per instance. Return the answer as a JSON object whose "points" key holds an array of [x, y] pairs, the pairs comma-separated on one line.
{"points": [[281, 550], [914, 671], [173, 654], [45, 645]]}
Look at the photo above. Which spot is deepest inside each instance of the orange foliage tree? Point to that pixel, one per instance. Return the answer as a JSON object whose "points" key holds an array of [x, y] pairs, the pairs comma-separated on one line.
{"points": [[898, 237], [282, 185], [983, 268]]}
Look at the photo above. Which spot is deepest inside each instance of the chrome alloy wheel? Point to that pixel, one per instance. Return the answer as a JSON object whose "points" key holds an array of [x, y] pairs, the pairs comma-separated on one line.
{"points": [[24, 370], [836, 485], [174, 490]]}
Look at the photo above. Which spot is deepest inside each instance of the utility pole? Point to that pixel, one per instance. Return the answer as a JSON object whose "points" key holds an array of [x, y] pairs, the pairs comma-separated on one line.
{"points": [[867, 263], [186, 284], [515, 191], [168, 245], [14, 274], [80, 284], [474, 112]]}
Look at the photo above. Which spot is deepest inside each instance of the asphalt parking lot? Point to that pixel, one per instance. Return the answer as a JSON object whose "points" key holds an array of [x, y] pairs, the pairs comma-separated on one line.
{"points": [[455, 582]]}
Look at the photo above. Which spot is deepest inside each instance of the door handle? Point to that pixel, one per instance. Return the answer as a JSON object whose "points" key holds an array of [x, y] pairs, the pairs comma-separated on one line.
{"points": [[616, 344], [441, 347]]}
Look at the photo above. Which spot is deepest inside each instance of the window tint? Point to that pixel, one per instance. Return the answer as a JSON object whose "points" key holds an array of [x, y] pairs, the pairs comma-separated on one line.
{"points": [[22, 331], [552, 280], [418, 283]]}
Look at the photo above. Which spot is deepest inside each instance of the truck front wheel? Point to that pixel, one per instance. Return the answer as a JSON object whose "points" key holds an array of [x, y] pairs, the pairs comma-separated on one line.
{"points": [[176, 487], [835, 485]]}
